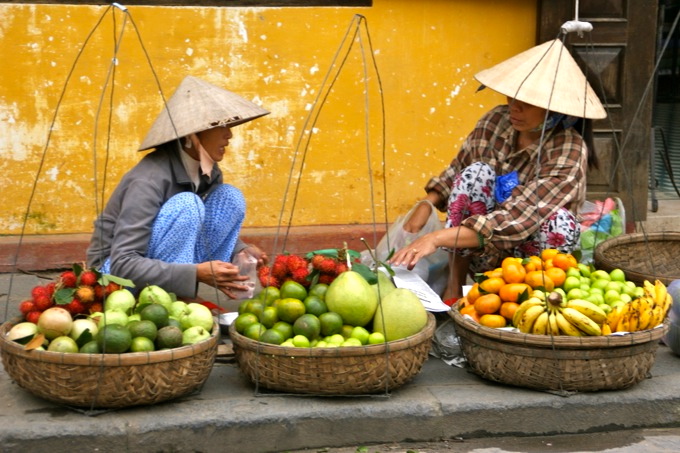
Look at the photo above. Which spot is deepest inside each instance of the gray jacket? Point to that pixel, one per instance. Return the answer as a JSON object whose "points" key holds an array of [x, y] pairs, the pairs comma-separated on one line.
{"points": [[123, 230]]}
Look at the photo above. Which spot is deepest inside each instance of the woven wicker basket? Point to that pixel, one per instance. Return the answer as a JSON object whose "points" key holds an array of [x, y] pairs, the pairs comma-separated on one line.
{"points": [[561, 363], [109, 380], [642, 257], [334, 371]]}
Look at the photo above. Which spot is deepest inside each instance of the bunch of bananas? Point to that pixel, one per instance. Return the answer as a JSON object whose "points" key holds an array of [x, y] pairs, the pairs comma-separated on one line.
{"points": [[643, 313], [553, 315]]}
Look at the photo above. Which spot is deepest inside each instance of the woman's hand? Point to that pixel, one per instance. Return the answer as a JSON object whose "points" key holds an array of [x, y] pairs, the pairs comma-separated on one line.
{"points": [[256, 252], [421, 214], [221, 275], [420, 248]]}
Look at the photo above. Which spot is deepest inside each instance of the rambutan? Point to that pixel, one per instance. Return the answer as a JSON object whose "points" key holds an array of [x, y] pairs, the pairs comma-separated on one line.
{"points": [[317, 260], [68, 279], [340, 268], [111, 287], [326, 278], [39, 291], [296, 262], [85, 294], [50, 287], [99, 292], [42, 303], [328, 266], [96, 307], [300, 275], [75, 307], [26, 306], [33, 316], [88, 278], [279, 270]]}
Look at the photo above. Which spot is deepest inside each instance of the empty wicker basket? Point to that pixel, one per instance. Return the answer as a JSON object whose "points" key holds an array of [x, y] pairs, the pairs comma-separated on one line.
{"points": [[641, 256], [334, 371], [109, 380], [560, 363]]}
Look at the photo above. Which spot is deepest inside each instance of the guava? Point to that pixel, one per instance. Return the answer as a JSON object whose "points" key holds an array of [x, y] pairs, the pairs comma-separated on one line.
{"points": [[154, 294], [353, 298], [194, 334], [400, 314], [121, 299], [197, 315]]}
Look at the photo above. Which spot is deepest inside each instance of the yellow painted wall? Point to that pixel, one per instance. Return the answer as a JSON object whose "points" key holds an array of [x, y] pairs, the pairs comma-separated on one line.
{"points": [[426, 53]]}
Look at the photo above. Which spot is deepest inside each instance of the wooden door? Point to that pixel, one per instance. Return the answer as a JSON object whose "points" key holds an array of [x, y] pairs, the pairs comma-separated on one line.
{"points": [[618, 59]]}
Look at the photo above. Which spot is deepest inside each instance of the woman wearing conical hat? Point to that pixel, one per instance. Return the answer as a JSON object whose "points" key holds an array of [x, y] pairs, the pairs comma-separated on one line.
{"points": [[516, 184], [172, 221]]}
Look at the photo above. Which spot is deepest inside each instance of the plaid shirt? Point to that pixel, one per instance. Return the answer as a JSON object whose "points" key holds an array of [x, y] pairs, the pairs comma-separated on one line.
{"points": [[548, 182]]}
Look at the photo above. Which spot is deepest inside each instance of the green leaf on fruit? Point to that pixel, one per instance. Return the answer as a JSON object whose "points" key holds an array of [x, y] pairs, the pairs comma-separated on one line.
{"points": [[365, 272], [108, 278], [77, 269], [64, 296], [524, 296], [24, 340], [84, 338]]}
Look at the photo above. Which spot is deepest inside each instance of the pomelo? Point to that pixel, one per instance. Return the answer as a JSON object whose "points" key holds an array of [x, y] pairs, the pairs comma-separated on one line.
{"points": [[384, 285], [400, 315], [352, 297]]}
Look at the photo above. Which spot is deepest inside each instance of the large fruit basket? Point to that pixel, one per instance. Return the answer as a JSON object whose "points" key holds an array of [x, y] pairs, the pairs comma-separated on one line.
{"points": [[643, 257], [334, 371], [109, 380], [557, 363]]}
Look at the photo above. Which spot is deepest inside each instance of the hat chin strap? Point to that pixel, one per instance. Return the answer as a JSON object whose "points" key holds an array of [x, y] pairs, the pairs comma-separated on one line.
{"points": [[207, 163]]}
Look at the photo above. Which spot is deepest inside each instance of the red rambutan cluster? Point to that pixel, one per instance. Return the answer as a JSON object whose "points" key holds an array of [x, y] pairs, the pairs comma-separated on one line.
{"points": [[285, 267], [77, 292], [327, 267]]}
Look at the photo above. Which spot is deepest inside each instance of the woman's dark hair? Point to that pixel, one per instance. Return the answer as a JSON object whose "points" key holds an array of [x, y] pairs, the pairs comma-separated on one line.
{"points": [[585, 127]]}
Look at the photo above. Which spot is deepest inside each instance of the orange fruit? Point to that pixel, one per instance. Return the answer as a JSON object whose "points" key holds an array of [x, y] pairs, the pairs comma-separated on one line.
{"points": [[508, 310], [487, 304], [513, 270], [557, 275], [473, 294], [493, 321], [498, 272], [564, 261], [512, 291], [470, 310], [548, 254], [491, 285], [533, 263], [539, 279]]}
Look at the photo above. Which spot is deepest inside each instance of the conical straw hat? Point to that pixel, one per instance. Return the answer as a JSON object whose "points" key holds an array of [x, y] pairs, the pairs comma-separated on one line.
{"points": [[545, 76], [197, 106]]}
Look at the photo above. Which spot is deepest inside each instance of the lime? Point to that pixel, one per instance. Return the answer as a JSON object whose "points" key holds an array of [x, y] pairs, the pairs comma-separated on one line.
{"points": [[318, 290], [293, 289], [346, 330], [269, 294], [169, 337], [173, 322], [243, 306], [243, 321], [300, 341], [269, 317], [307, 325], [91, 347], [272, 336], [254, 331], [315, 305], [155, 313], [331, 323], [144, 328], [336, 339], [376, 338], [114, 338], [142, 344], [290, 309], [351, 342], [254, 306], [360, 334], [285, 328]]}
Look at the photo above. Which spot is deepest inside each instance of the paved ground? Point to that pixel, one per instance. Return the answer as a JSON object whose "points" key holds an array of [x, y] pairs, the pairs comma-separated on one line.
{"points": [[228, 414]]}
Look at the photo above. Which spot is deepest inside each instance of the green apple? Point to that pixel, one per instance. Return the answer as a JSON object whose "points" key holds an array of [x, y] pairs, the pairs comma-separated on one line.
{"points": [[600, 274], [575, 293], [606, 308], [573, 272], [597, 291], [611, 296], [570, 283], [597, 299], [197, 315], [600, 283], [616, 286], [626, 298], [585, 269], [617, 275], [195, 334]]}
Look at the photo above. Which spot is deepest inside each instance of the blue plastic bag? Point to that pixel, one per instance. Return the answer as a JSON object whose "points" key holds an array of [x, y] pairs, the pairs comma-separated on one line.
{"points": [[504, 185]]}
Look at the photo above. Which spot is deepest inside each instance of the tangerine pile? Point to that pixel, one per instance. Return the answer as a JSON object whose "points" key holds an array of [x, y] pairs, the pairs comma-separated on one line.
{"points": [[496, 294]]}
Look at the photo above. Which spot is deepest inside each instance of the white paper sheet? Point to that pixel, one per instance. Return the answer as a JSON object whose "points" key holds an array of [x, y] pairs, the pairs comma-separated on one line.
{"points": [[403, 278]]}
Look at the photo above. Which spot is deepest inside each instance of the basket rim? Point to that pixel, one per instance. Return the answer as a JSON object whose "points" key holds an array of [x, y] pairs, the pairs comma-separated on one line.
{"points": [[636, 237], [124, 359], [562, 341], [425, 334]]}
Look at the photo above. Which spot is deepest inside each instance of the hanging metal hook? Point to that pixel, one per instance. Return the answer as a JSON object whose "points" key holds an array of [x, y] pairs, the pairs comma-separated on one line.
{"points": [[576, 25]]}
